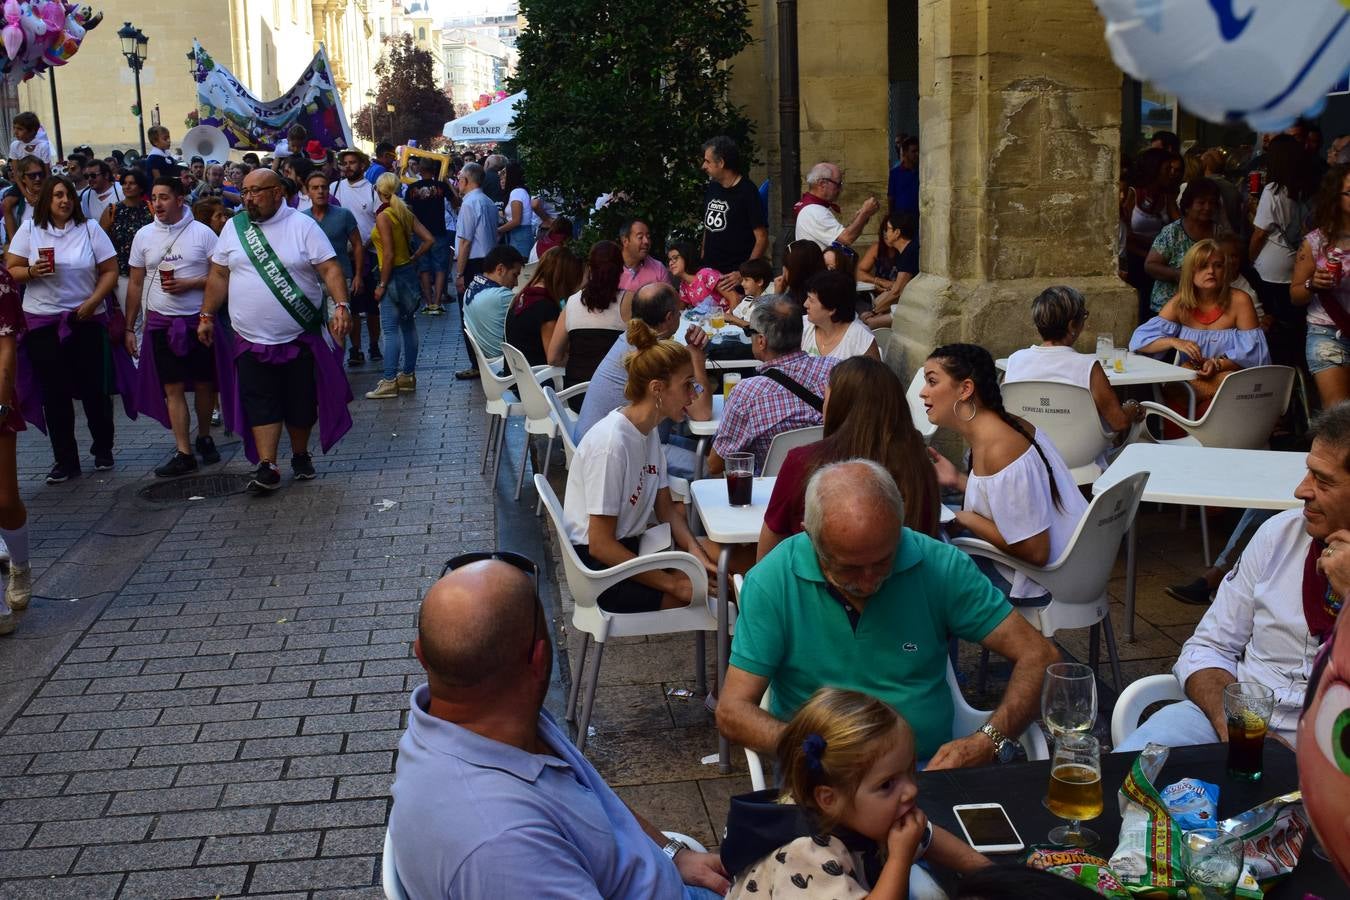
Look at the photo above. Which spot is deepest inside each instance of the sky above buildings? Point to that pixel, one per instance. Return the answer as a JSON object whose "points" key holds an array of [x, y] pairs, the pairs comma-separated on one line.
{"points": [[454, 9]]}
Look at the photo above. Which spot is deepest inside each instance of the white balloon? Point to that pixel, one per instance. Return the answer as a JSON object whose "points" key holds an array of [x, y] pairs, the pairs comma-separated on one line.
{"points": [[1266, 61]]}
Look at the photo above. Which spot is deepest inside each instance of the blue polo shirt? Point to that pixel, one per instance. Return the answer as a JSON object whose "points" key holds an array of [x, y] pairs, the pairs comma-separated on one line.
{"points": [[474, 818], [793, 631]]}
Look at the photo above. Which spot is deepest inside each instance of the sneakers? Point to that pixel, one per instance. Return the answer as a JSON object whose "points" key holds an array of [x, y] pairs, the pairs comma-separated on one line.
{"points": [[407, 382], [375, 354], [302, 467], [19, 588], [356, 358], [467, 374], [384, 389], [1196, 593], [103, 463], [61, 473], [206, 449], [180, 464], [434, 309], [7, 623], [266, 478], [215, 416]]}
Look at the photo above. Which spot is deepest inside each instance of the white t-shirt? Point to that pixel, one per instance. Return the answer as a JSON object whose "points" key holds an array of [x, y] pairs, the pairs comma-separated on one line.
{"points": [[856, 341], [1018, 501], [818, 223], [1278, 215], [616, 471], [577, 315], [186, 248], [93, 203], [527, 217], [361, 201], [38, 146], [1062, 365], [255, 312], [79, 250]]}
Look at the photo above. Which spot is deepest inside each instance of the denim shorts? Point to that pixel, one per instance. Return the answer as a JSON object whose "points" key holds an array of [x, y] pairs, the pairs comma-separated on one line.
{"points": [[1327, 348], [436, 261]]}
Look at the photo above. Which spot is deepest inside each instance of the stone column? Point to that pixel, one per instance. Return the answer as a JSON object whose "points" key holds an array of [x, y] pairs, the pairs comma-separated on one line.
{"points": [[1020, 130]]}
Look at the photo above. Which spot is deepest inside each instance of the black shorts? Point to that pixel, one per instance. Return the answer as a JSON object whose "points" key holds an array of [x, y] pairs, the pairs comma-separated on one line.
{"points": [[363, 301], [627, 596], [285, 393], [198, 367]]}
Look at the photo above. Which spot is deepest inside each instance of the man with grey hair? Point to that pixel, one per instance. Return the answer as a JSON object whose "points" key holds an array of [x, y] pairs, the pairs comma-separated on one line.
{"points": [[475, 236], [857, 601], [787, 389], [818, 211]]}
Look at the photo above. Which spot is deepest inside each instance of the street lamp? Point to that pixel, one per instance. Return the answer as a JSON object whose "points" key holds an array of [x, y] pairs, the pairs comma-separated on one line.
{"points": [[390, 108], [134, 48]]}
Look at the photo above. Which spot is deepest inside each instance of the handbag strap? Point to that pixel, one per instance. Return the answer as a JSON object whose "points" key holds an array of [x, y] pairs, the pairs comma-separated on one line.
{"points": [[812, 400]]}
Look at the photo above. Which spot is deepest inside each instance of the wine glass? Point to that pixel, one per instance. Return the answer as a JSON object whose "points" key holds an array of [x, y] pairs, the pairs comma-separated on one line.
{"points": [[1075, 788], [1068, 699]]}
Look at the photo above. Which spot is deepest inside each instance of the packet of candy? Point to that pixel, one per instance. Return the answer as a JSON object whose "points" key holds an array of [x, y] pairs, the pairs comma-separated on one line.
{"points": [[1272, 839], [1148, 857], [1192, 803], [1080, 867]]}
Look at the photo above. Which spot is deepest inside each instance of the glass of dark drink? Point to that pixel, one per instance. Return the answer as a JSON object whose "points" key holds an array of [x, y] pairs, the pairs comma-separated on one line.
{"points": [[1247, 706], [740, 478]]}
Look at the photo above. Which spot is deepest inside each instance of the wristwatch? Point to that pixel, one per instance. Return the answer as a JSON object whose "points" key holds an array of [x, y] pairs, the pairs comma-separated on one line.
{"points": [[1004, 749], [672, 849]]}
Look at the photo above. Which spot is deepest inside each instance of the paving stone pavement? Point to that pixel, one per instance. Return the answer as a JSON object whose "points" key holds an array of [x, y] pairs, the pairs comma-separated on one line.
{"points": [[205, 698]]}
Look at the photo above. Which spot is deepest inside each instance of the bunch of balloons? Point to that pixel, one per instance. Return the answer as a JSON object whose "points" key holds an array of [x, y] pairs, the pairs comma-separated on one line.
{"points": [[39, 34]]}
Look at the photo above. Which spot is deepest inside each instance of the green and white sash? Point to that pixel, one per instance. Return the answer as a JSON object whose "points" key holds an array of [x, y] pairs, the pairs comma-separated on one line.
{"points": [[274, 275]]}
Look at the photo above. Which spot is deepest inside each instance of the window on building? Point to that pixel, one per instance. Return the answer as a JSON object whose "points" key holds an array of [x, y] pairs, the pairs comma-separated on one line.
{"points": [[421, 34]]}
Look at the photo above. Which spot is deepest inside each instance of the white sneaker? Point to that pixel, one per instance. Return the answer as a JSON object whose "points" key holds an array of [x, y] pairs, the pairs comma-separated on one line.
{"points": [[7, 623], [19, 589], [384, 390]]}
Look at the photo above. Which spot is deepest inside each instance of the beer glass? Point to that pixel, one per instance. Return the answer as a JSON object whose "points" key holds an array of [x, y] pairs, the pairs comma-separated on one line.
{"points": [[718, 320], [740, 478], [1212, 861], [729, 381], [1068, 699], [1075, 788], [1247, 705]]}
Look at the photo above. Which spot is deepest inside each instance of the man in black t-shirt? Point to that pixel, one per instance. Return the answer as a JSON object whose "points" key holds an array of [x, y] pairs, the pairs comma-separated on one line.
{"points": [[427, 198], [734, 228]]}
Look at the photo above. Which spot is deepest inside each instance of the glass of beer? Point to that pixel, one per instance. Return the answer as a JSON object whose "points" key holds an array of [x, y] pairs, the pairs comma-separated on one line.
{"points": [[729, 381], [1212, 861], [1075, 788], [740, 478], [718, 319], [1247, 706]]}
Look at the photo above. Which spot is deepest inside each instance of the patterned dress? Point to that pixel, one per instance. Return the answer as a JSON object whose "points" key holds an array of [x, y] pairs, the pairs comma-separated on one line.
{"points": [[127, 220], [12, 325]]}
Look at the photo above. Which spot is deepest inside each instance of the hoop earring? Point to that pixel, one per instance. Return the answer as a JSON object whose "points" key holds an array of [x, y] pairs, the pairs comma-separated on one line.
{"points": [[973, 410]]}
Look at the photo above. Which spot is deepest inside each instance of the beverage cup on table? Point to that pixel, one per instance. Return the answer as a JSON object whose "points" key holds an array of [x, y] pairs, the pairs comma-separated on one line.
{"points": [[729, 381], [1118, 360], [740, 478], [1075, 788], [1212, 861], [718, 320], [1106, 344], [1247, 707], [1068, 699]]}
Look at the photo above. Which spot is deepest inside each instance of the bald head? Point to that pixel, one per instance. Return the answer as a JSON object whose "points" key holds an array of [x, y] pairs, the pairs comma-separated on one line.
{"points": [[852, 500], [261, 200], [476, 624], [262, 178], [654, 303]]}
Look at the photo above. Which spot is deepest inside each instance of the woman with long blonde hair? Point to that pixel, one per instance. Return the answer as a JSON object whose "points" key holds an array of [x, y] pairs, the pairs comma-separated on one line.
{"points": [[397, 290]]}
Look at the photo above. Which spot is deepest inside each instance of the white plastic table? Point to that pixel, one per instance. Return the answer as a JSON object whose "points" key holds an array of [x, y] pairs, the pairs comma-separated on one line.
{"points": [[1138, 370], [1202, 476], [728, 525], [724, 334]]}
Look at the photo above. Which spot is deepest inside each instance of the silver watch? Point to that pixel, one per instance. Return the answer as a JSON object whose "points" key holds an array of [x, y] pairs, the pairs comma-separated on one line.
{"points": [[673, 849], [1004, 749]]}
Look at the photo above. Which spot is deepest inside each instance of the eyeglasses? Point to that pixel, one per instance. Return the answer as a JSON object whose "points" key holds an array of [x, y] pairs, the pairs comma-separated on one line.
{"points": [[838, 184], [523, 563], [750, 332], [34, 176], [257, 192]]}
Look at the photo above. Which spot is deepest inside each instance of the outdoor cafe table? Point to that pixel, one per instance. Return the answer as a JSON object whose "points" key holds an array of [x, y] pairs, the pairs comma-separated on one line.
{"points": [[727, 335], [1139, 370], [1202, 476], [1021, 786]]}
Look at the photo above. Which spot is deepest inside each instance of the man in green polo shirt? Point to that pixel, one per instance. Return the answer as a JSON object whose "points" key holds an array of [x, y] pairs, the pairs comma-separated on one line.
{"points": [[859, 602]]}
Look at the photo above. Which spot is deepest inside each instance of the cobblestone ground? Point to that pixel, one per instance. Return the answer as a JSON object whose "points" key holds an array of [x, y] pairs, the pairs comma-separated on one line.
{"points": [[205, 698]]}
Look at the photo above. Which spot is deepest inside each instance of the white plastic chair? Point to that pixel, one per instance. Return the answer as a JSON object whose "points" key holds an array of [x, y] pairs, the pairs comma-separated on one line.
{"points": [[1242, 414], [499, 408], [1068, 414], [883, 338], [598, 624], [966, 719], [1077, 580], [565, 420], [538, 415], [916, 411], [789, 440], [1139, 696]]}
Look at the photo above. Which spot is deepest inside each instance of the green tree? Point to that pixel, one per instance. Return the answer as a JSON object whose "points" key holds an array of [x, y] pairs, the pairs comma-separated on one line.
{"points": [[405, 80], [620, 98]]}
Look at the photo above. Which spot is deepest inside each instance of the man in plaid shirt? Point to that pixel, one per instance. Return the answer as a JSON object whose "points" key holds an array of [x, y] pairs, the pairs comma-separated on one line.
{"points": [[760, 407]]}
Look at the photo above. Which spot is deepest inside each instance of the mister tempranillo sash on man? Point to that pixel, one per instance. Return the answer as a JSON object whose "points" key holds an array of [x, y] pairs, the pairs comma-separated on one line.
{"points": [[278, 280]]}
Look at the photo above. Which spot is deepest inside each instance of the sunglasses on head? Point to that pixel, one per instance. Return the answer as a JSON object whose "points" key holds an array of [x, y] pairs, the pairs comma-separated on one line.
{"points": [[523, 563], [843, 248]]}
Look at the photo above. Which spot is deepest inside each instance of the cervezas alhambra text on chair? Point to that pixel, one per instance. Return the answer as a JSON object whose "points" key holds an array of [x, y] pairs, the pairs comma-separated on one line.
{"points": [[1068, 415]]}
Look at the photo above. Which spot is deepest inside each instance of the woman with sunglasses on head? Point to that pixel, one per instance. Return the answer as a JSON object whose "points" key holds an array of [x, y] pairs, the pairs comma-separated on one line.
{"points": [[618, 477], [69, 270], [19, 200], [801, 262]]}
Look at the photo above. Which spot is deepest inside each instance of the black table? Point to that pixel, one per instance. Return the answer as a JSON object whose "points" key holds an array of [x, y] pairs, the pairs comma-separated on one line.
{"points": [[1020, 787]]}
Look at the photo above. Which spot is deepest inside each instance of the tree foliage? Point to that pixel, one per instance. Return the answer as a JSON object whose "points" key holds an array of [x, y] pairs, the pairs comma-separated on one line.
{"points": [[405, 79], [620, 99]]}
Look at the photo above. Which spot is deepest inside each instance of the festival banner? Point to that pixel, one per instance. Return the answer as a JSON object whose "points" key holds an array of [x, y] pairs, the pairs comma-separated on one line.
{"points": [[253, 124]]}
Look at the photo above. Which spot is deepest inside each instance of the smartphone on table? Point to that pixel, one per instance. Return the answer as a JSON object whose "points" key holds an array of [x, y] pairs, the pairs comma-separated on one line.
{"points": [[988, 828]]}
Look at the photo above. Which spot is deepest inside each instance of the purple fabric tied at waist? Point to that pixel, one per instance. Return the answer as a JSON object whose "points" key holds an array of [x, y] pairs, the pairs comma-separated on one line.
{"points": [[330, 381], [123, 369], [148, 395]]}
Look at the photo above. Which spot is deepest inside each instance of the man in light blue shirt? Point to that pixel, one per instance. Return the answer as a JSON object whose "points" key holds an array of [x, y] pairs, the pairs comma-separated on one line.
{"points": [[475, 236], [489, 297], [490, 798]]}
